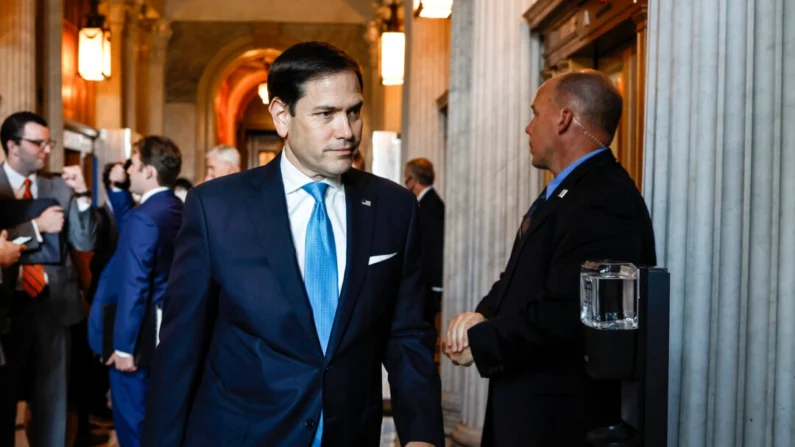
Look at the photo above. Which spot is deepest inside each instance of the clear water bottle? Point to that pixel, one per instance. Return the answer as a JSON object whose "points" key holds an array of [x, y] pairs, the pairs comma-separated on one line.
{"points": [[609, 295]]}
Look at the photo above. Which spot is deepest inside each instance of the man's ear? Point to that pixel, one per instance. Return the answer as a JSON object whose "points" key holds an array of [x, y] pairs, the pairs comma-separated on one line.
{"points": [[281, 116], [565, 120]]}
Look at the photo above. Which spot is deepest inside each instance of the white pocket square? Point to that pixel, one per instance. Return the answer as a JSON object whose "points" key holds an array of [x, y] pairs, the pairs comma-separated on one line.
{"points": [[380, 258]]}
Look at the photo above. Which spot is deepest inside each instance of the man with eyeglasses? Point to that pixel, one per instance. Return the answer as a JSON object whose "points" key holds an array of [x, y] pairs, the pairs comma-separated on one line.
{"points": [[525, 335], [45, 298]]}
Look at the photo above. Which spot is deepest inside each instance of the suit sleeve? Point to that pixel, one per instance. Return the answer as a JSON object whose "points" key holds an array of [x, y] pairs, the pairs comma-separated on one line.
{"points": [[550, 322], [133, 266], [413, 377], [189, 314], [122, 203]]}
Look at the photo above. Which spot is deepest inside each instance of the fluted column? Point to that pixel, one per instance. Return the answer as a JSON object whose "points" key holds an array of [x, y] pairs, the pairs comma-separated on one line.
{"points": [[427, 78], [130, 68], [155, 69], [52, 79], [18, 56], [109, 92], [720, 157], [495, 70]]}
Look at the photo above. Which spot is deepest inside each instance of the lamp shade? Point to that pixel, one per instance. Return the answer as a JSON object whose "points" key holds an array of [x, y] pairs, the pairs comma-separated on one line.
{"points": [[393, 51], [93, 54], [263, 92], [436, 9]]}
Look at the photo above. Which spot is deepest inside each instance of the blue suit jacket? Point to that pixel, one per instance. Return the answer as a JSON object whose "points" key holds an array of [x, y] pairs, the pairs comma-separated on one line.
{"points": [[137, 274], [239, 361]]}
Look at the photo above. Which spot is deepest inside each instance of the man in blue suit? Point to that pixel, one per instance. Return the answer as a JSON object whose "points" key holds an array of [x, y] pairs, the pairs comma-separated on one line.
{"points": [[292, 283], [136, 277]]}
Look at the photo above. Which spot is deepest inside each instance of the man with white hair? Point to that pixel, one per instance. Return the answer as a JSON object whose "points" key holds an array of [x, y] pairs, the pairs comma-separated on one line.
{"points": [[222, 160]]}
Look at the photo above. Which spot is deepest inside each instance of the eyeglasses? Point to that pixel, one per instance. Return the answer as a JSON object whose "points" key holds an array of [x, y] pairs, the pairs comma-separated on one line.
{"points": [[588, 134], [42, 143]]}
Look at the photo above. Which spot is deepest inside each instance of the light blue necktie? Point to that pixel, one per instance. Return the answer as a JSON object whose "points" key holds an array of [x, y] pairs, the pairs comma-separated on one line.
{"points": [[320, 274]]}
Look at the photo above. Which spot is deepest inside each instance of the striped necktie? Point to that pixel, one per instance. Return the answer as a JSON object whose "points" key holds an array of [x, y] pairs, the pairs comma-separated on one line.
{"points": [[32, 275]]}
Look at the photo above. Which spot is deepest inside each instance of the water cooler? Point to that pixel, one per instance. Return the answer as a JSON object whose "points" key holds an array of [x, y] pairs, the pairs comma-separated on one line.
{"points": [[625, 310]]}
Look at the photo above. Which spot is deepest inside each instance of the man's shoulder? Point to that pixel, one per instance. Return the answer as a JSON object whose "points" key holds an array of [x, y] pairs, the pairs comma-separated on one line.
{"points": [[385, 188]]}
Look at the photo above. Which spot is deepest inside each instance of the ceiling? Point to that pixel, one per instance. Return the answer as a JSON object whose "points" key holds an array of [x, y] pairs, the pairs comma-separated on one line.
{"points": [[302, 11]]}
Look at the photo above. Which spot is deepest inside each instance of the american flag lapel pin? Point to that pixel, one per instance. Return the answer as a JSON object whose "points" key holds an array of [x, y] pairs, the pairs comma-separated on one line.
{"points": [[563, 193], [366, 202]]}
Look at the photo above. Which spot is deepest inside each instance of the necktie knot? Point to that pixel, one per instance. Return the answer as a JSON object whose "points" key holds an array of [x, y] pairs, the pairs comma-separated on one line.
{"points": [[28, 193], [317, 190]]}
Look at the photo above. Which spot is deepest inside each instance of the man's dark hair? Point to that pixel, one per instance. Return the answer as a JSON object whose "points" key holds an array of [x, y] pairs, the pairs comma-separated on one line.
{"points": [[594, 96], [162, 154], [106, 174], [13, 128], [305, 62], [183, 183], [422, 170]]}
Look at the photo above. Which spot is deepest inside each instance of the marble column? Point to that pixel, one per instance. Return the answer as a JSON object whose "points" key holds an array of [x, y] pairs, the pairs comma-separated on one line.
{"points": [[720, 157], [52, 79], [150, 100], [426, 79], [18, 56], [490, 183], [131, 76], [109, 93]]}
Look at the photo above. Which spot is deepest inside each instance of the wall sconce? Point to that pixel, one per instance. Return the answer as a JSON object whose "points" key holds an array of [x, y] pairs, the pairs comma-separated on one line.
{"points": [[393, 50], [93, 47], [262, 90], [433, 9]]}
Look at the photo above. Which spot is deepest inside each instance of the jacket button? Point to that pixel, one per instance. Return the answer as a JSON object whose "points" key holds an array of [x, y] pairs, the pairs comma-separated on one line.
{"points": [[328, 368], [309, 424]]}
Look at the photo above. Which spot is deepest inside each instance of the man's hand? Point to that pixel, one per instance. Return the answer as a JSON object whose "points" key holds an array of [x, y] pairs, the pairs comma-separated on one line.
{"points": [[73, 176], [117, 174], [124, 364], [463, 358], [9, 251], [456, 339], [50, 220]]}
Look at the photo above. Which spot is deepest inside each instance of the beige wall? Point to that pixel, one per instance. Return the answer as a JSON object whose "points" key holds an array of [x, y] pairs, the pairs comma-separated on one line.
{"points": [[180, 126]]}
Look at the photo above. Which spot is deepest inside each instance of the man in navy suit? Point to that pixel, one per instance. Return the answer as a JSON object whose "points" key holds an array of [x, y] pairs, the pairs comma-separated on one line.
{"points": [[136, 277], [292, 283]]}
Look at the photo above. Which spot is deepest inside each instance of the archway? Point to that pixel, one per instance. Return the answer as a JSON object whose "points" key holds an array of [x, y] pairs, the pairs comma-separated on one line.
{"points": [[225, 62]]}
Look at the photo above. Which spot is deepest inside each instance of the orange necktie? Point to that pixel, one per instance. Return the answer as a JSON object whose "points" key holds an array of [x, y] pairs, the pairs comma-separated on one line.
{"points": [[32, 275]]}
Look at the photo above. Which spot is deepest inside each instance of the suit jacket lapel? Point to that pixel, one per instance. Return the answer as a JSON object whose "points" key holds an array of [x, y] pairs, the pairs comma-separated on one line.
{"points": [[267, 209], [45, 187], [6, 192], [360, 226]]}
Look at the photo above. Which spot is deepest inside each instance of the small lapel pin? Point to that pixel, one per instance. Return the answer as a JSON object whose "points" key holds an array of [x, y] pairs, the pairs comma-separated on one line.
{"points": [[563, 193], [366, 202]]}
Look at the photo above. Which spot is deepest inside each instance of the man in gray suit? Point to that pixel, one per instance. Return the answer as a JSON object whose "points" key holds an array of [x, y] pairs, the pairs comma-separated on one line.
{"points": [[46, 298]]}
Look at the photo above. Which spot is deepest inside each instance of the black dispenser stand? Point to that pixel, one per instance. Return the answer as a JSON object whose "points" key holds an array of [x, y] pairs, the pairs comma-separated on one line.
{"points": [[639, 358]]}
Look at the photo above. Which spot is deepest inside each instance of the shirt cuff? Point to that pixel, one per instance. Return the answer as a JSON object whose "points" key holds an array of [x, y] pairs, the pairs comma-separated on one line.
{"points": [[123, 355], [83, 203], [36, 230]]}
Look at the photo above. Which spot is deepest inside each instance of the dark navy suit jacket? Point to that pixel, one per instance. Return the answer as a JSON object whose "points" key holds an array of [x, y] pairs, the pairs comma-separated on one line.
{"points": [[239, 361], [137, 274]]}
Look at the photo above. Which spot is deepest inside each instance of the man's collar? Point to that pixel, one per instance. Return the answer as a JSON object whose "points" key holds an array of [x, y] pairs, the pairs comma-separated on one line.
{"points": [[16, 179], [295, 179]]}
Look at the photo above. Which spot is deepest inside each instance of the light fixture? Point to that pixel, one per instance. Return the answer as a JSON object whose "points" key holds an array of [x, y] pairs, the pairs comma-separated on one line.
{"points": [[433, 9], [393, 50], [93, 47], [263, 92]]}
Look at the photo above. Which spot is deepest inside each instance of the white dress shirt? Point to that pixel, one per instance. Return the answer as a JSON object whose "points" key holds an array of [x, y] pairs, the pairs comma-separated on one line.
{"points": [[300, 205]]}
